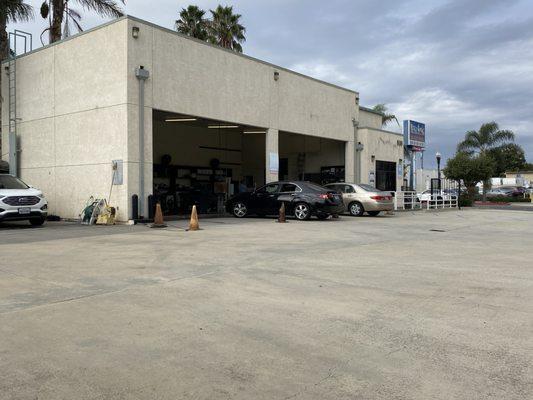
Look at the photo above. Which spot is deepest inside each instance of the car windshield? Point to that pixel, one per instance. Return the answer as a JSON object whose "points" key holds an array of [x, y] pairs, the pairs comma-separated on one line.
{"points": [[368, 188], [10, 182]]}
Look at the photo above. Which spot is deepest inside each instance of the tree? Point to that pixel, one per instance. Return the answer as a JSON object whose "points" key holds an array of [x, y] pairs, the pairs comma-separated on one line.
{"points": [[225, 30], [508, 157], [469, 168], [11, 11], [57, 11], [193, 23], [527, 167], [481, 142], [386, 117]]}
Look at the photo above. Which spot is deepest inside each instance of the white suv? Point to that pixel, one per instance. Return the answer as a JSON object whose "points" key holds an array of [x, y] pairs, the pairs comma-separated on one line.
{"points": [[19, 201]]}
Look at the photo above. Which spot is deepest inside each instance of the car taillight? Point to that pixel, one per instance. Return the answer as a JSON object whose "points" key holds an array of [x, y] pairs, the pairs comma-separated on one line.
{"points": [[323, 196], [380, 197]]}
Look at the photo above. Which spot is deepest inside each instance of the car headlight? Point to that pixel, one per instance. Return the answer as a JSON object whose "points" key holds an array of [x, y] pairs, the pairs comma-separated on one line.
{"points": [[1, 197], [41, 196]]}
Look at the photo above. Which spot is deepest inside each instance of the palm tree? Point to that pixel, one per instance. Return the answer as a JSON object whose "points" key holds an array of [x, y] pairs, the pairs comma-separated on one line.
{"points": [[192, 23], [59, 10], [11, 11], [489, 137], [385, 116], [225, 29]]}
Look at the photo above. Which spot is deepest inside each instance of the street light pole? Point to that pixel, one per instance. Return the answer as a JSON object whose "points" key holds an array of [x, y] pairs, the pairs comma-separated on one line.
{"points": [[438, 155]]}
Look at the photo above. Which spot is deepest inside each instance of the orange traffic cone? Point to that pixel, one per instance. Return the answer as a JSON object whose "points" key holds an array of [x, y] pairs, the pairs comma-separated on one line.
{"points": [[193, 224], [282, 217], [158, 218]]}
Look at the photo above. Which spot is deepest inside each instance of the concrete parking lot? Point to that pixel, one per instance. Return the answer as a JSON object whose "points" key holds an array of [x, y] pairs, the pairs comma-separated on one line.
{"points": [[420, 305]]}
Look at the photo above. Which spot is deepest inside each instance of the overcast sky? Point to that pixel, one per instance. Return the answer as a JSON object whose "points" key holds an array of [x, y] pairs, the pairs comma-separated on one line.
{"points": [[452, 64]]}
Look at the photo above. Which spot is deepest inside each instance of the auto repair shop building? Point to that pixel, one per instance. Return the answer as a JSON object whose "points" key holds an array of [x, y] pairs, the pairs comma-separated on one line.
{"points": [[212, 122]]}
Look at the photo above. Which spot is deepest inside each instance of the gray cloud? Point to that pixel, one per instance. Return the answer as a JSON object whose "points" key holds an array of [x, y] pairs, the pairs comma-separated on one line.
{"points": [[453, 64]]}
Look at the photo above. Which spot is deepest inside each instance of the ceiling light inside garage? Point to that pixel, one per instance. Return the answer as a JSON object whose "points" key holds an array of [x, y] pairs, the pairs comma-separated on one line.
{"points": [[251, 132], [222, 126], [180, 119]]}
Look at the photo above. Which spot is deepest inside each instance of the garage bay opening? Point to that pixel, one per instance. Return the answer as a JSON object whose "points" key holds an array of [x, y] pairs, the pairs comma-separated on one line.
{"points": [[309, 158], [202, 162]]}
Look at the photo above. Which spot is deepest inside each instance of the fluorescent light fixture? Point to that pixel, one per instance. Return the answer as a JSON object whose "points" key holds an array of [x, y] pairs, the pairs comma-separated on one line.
{"points": [[222, 126], [250, 132], [180, 119]]}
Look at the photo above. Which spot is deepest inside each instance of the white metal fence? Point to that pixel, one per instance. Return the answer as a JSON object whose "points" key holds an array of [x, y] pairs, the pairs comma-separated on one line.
{"points": [[410, 200], [438, 201], [406, 201]]}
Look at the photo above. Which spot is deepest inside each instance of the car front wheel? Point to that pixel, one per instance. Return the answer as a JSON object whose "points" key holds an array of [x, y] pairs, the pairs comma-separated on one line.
{"points": [[356, 209], [302, 211], [240, 210]]}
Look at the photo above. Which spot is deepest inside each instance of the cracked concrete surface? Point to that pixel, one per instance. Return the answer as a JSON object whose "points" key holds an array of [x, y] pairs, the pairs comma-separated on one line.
{"points": [[356, 308]]}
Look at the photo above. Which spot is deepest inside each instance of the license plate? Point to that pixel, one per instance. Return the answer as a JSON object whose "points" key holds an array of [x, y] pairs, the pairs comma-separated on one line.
{"points": [[24, 211]]}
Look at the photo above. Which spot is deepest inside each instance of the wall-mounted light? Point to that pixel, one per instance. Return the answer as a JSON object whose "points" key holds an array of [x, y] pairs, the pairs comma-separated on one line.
{"points": [[135, 32], [276, 76], [373, 158]]}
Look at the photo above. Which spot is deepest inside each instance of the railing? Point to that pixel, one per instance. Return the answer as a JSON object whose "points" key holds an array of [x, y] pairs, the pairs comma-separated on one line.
{"points": [[409, 201], [441, 201], [406, 201]]}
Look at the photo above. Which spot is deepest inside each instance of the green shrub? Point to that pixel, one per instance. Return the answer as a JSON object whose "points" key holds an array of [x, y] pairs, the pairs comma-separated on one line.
{"points": [[465, 201], [505, 199]]}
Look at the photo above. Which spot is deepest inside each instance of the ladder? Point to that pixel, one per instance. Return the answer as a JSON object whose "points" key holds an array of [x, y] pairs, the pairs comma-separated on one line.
{"points": [[12, 93]]}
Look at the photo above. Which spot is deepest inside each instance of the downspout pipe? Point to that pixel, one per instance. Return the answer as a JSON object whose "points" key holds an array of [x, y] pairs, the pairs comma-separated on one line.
{"points": [[142, 75], [358, 148]]}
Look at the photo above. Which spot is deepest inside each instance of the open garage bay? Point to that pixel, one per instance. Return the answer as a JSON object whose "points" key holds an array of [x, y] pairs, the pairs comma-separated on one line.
{"points": [[413, 306]]}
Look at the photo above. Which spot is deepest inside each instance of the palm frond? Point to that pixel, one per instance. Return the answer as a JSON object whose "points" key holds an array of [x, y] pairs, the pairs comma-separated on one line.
{"points": [[106, 8], [503, 136], [15, 11], [75, 17], [470, 144], [225, 29]]}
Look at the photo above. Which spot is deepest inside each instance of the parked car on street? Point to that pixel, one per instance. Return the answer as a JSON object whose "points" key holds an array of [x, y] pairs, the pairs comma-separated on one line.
{"points": [[501, 192], [19, 201], [361, 198], [302, 199], [515, 191]]}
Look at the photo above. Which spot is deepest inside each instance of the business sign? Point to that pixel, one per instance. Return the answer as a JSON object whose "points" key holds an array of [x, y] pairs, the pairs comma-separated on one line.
{"points": [[273, 163], [414, 134]]}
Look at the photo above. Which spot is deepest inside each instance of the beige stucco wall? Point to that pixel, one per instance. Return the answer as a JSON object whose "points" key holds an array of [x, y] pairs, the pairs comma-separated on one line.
{"points": [[195, 78], [369, 119], [72, 111], [384, 145]]}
